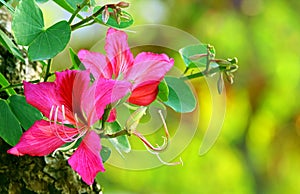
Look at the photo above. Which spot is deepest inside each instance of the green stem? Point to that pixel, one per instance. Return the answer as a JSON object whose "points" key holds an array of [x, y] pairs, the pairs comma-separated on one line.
{"points": [[47, 74], [79, 7], [119, 133], [16, 85], [204, 73], [82, 22]]}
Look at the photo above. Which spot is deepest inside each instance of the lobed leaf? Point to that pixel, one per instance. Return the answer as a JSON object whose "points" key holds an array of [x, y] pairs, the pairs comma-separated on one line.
{"points": [[28, 29]]}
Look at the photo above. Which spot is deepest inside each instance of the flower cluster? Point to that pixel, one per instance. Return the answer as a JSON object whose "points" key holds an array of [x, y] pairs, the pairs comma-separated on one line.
{"points": [[72, 104]]}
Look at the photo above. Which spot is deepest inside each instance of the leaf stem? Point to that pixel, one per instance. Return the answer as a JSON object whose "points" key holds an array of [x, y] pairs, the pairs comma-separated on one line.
{"points": [[47, 74], [204, 73], [119, 133], [91, 17], [79, 7]]}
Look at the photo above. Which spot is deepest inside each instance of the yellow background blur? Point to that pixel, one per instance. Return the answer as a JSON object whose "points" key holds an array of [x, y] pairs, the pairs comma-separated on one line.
{"points": [[258, 150]]}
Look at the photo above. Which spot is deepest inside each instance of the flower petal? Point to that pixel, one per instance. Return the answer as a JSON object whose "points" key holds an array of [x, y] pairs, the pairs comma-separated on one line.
{"points": [[149, 67], [97, 64], [41, 95], [41, 139], [109, 91], [144, 93], [86, 160], [118, 51]]}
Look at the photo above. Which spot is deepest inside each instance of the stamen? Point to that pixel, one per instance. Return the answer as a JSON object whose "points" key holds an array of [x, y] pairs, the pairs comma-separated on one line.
{"points": [[148, 144], [63, 112], [51, 112]]}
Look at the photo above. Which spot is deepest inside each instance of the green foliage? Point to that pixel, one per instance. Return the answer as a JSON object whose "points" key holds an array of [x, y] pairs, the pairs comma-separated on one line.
{"points": [[181, 97], [126, 19], [24, 112], [10, 129], [5, 83], [10, 46], [194, 55], [43, 43], [105, 153], [163, 90], [66, 6], [74, 59]]}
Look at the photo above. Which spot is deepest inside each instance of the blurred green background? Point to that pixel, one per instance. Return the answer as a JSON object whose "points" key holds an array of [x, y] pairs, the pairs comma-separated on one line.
{"points": [[258, 150]]}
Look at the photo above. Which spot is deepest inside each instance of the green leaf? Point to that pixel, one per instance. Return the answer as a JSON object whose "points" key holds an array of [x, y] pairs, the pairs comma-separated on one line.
{"points": [[121, 143], [126, 19], [163, 90], [65, 5], [28, 28], [51, 42], [10, 129], [24, 112], [4, 83], [105, 153], [192, 51], [74, 59], [28, 22], [181, 97], [10, 46]]}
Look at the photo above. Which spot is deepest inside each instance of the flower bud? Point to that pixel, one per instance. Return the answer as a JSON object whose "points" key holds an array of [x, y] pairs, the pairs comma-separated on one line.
{"points": [[122, 4], [105, 15]]}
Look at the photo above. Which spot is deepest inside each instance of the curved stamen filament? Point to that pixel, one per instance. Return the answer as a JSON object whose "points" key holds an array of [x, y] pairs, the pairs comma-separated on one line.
{"points": [[59, 127], [148, 144]]}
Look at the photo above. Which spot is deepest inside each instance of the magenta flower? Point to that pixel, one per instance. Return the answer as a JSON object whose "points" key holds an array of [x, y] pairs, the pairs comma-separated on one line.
{"points": [[145, 71], [69, 100]]}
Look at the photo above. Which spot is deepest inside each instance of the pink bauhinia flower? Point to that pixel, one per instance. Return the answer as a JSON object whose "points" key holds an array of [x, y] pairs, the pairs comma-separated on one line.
{"points": [[70, 99], [145, 71]]}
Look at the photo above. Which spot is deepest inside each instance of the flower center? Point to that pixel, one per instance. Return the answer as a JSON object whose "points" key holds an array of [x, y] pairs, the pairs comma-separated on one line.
{"points": [[61, 127]]}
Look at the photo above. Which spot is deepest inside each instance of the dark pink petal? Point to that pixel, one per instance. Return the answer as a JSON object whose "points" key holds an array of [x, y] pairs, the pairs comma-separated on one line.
{"points": [[149, 67], [96, 63], [42, 139], [64, 87], [109, 91], [112, 115], [118, 51], [86, 160], [42, 96], [144, 93]]}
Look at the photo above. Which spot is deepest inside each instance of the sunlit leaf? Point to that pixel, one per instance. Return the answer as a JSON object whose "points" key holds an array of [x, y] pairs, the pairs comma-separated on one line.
{"points": [[163, 90], [193, 55], [29, 31], [181, 97], [24, 112], [121, 143], [10, 129], [126, 19]]}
